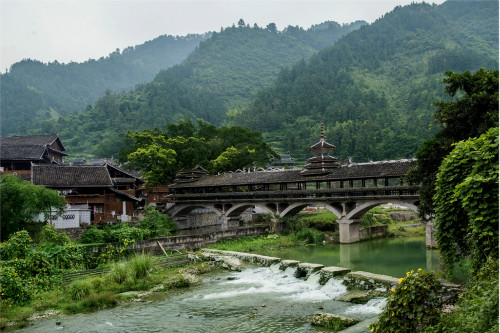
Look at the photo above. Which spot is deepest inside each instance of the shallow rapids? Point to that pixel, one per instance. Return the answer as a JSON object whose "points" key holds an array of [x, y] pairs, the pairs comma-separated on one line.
{"points": [[258, 299]]}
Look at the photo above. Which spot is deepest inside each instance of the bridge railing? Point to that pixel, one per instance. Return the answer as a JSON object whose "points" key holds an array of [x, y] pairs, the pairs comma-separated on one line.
{"points": [[292, 195]]}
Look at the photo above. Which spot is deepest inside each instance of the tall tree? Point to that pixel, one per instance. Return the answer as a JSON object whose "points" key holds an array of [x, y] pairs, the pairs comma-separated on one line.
{"points": [[21, 201], [473, 111], [466, 202]]}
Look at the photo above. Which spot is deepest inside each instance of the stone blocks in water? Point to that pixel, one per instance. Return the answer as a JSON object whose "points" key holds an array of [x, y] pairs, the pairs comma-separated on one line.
{"points": [[305, 269], [246, 257], [367, 281], [327, 273], [331, 321], [284, 264]]}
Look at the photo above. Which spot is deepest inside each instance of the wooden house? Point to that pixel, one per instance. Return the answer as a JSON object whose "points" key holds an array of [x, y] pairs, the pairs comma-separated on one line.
{"points": [[18, 153], [111, 193]]}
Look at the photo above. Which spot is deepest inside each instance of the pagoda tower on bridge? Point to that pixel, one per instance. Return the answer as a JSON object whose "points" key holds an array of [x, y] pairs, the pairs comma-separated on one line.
{"points": [[321, 163]]}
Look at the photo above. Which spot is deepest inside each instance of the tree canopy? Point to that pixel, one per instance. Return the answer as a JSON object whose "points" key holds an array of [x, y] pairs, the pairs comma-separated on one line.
{"points": [[160, 154], [466, 201], [21, 201], [472, 112]]}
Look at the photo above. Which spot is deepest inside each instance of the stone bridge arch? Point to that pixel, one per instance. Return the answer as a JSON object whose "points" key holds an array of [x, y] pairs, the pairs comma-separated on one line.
{"points": [[361, 209], [238, 209], [297, 207], [185, 209]]}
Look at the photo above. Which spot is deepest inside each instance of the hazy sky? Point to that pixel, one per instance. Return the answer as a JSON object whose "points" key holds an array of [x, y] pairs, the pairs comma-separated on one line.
{"points": [[77, 30]]}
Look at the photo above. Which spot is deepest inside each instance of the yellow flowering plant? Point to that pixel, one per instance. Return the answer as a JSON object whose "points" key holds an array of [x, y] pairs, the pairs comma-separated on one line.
{"points": [[414, 304]]}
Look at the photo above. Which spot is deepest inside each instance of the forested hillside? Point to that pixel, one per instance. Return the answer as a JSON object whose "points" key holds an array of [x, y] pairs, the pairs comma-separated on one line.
{"points": [[375, 87], [33, 91], [223, 72]]}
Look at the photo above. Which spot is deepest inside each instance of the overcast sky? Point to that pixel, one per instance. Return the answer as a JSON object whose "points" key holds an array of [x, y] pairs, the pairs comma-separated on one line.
{"points": [[77, 30]]}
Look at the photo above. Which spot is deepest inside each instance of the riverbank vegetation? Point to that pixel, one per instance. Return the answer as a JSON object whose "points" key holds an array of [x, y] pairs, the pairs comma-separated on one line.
{"points": [[319, 226], [459, 173], [32, 284]]}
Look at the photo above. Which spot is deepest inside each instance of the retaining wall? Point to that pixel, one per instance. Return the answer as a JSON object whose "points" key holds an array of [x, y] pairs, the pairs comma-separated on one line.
{"points": [[374, 231], [190, 242]]}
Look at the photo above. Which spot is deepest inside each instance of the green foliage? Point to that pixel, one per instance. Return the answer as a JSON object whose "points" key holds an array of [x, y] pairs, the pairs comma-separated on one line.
{"points": [[119, 273], [413, 305], [256, 244], [34, 91], [156, 223], [377, 84], [160, 154], [466, 201], [117, 233], [470, 115], [79, 289], [18, 246], [49, 234], [310, 236], [140, 266], [323, 220], [123, 232], [21, 201], [26, 270], [93, 235], [477, 309], [224, 72], [67, 256]]}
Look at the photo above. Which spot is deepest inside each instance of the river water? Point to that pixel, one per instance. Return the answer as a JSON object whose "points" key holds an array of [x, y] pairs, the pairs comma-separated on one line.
{"points": [[258, 299], [389, 256]]}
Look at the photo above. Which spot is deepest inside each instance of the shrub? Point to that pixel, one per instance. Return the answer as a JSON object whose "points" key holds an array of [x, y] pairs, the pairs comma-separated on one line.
{"points": [[65, 256], [17, 246], [310, 236], [413, 305], [119, 273], [477, 309], [99, 301], [156, 223], [324, 221], [140, 266], [13, 288], [93, 235], [122, 232], [80, 289], [49, 234]]}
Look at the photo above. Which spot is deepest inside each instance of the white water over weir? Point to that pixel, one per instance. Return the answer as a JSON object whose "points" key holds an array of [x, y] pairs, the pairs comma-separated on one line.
{"points": [[270, 295]]}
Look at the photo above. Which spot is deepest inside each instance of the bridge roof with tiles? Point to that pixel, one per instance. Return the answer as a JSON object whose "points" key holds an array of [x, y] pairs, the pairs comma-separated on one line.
{"points": [[352, 171]]}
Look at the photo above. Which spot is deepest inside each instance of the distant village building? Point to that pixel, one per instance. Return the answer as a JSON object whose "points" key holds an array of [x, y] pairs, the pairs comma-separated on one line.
{"points": [[111, 193], [99, 192], [18, 153], [284, 160]]}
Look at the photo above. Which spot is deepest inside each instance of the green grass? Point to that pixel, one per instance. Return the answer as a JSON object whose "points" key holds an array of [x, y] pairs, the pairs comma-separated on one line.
{"points": [[257, 244], [90, 294]]}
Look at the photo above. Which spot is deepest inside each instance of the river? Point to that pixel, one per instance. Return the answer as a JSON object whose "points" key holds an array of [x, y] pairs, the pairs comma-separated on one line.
{"points": [[258, 299]]}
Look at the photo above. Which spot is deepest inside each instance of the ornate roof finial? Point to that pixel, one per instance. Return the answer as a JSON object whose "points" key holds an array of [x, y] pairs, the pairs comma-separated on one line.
{"points": [[321, 163]]}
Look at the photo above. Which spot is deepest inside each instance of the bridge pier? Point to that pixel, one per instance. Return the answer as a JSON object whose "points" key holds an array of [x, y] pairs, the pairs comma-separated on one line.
{"points": [[430, 240], [349, 230]]}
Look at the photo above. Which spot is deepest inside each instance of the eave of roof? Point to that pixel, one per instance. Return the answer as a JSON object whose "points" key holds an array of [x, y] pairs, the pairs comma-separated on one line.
{"points": [[353, 171]]}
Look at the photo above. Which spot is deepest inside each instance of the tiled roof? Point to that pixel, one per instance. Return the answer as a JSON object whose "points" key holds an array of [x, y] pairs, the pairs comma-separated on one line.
{"points": [[71, 176], [24, 152], [29, 147], [38, 140], [352, 171]]}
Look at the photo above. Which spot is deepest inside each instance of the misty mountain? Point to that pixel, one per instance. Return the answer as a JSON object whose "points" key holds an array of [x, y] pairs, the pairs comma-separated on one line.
{"points": [[375, 87], [223, 72], [33, 90]]}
